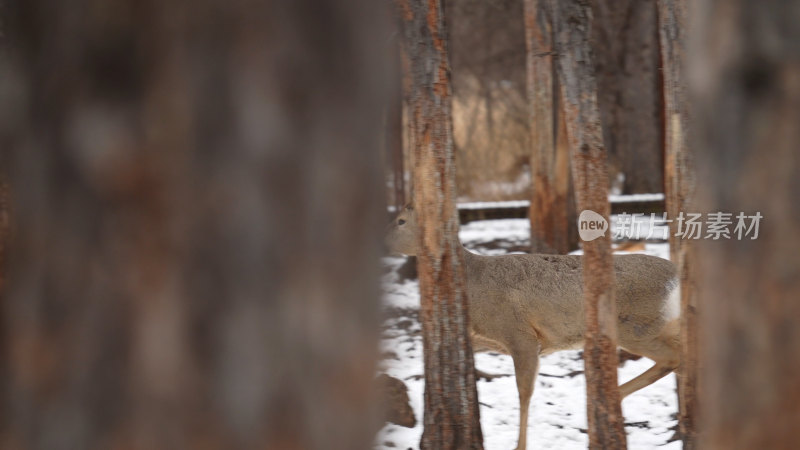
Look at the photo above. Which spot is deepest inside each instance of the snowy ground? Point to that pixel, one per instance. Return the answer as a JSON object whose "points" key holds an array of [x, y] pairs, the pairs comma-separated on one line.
{"points": [[558, 409]]}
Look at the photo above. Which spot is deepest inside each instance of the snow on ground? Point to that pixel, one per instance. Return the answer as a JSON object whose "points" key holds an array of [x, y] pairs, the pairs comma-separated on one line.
{"points": [[558, 408]]}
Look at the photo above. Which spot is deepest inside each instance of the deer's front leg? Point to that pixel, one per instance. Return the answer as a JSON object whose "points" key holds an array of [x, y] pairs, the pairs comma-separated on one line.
{"points": [[526, 365]]}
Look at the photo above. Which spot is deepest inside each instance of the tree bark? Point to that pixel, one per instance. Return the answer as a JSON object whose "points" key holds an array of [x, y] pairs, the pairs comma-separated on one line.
{"points": [[5, 223], [394, 130], [451, 416], [194, 176], [625, 44], [576, 72], [549, 211], [679, 187], [746, 93]]}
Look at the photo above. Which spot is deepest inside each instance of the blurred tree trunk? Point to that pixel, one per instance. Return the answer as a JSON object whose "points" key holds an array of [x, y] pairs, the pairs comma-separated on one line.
{"points": [[194, 176], [576, 71], [549, 212], [746, 90], [408, 122], [451, 417], [625, 44], [5, 214], [679, 188], [394, 128]]}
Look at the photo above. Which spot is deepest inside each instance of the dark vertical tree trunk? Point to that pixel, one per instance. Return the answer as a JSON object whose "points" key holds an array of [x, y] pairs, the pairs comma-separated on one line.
{"points": [[625, 44], [191, 178], [394, 130], [409, 124], [549, 211], [5, 222], [679, 188], [576, 72], [451, 405], [746, 93], [564, 171]]}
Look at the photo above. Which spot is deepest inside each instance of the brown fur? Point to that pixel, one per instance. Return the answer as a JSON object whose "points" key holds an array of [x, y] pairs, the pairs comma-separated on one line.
{"points": [[531, 305]]}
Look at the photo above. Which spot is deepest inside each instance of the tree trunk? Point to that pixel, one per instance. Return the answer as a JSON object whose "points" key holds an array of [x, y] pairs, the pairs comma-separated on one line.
{"points": [[549, 210], [394, 130], [625, 44], [194, 176], [746, 90], [408, 121], [679, 188], [5, 222], [576, 72], [451, 406]]}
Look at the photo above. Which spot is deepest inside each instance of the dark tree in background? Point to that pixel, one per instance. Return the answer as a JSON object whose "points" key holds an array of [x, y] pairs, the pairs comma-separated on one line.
{"points": [[5, 212], [552, 210], [573, 22], [451, 415], [187, 180], [679, 186], [625, 44], [745, 84], [394, 126]]}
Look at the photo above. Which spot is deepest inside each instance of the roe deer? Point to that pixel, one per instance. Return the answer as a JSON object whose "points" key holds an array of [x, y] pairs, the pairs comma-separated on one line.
{"points": [[526, 305]]}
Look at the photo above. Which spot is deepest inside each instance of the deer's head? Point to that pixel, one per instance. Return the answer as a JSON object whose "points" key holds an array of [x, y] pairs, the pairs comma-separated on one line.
{"points": [[401, 234]]}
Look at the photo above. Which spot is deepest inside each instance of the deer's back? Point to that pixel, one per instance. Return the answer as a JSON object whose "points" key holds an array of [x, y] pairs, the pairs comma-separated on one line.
{"points": [[543, 294]]}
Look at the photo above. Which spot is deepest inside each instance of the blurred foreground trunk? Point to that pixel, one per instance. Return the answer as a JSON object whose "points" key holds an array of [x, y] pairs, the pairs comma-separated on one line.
{"points": [[573, 24], [451, 416], [745, 67], [196, 210]]}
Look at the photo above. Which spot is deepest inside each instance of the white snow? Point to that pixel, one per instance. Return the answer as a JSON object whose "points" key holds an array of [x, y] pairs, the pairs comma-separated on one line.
{"points": [[558, 408], [629, 198], [491, 205]]}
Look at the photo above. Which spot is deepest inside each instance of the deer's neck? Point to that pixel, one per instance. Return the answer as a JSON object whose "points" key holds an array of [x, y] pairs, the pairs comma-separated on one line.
{"points": [[467, 257]]}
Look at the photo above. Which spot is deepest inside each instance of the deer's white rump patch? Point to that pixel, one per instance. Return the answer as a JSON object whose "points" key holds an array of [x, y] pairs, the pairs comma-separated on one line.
{"points": [[672, 307]]}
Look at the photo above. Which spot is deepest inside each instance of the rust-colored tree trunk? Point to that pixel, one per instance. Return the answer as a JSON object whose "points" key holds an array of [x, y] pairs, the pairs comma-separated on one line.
{"points": [[679, 189], [451, 416], [194, 256], [746, 111], [576, 72], [549, 211], [625, 44]]}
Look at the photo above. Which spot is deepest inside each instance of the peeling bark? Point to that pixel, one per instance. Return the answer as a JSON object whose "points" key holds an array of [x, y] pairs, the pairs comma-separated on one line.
{"points": [[576, 72], [550, 207], [679, 187], [451, 415]]}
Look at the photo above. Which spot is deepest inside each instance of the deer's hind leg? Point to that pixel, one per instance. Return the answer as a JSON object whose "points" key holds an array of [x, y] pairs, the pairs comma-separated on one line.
{"points": [[664, 350], [650, 376], [484, 344]]}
